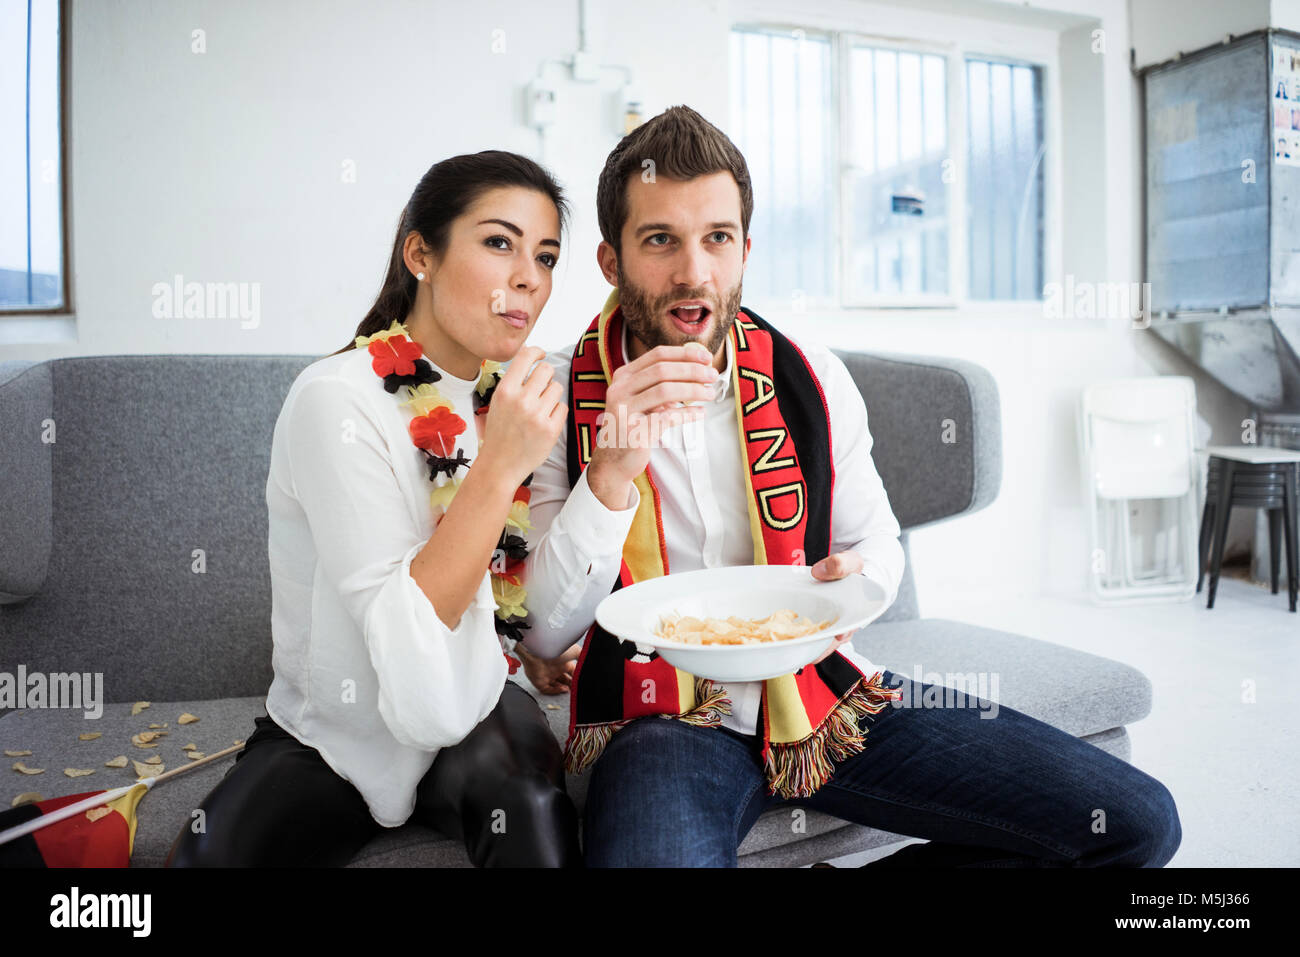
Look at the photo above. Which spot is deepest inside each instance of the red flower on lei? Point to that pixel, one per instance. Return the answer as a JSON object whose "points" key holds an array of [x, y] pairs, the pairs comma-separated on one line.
{"points": [[394, 355], [437, 431]]}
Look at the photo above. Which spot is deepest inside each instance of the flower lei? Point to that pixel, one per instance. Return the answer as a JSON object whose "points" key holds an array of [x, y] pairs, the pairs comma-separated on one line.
{"points": [[399, 361]]}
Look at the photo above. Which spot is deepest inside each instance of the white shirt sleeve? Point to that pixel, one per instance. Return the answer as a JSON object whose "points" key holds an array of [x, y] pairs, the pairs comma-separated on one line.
{"points": [[575, 546], [435, 683], [861, 519]]}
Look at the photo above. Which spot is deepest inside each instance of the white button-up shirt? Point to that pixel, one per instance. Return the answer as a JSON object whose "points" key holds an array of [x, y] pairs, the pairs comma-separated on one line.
{"points": [[699, 469], [365, 670]]}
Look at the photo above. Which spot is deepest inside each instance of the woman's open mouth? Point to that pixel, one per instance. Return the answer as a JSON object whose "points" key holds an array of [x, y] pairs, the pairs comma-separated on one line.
{"points": [[691, 319]]}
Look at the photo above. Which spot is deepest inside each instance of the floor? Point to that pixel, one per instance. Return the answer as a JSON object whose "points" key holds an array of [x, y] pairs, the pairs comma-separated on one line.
{"points": [[1222, 735]]}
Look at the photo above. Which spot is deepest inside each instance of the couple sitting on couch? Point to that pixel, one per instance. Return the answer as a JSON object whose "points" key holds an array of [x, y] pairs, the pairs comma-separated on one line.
{"points": [[434, 519]]}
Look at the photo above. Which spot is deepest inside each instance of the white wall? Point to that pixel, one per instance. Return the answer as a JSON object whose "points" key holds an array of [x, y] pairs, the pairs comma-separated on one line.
{"points": [[1164, 28], [225, 166]]}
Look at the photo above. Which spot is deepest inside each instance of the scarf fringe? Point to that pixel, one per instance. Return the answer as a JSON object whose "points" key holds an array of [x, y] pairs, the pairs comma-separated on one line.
{"points": [[799, 768], [588, 741]]}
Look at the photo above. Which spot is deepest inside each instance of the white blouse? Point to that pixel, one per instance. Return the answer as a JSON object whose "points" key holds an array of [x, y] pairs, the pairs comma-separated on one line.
{"points": [[365, 670]]}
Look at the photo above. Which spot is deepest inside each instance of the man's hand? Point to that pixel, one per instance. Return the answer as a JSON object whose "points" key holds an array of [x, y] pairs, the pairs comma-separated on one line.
{"points": [[639, 404], [550, 675], [829, 569]]}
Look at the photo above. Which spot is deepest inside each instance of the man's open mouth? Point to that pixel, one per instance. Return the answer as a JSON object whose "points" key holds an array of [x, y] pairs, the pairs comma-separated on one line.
{"points": [[691, 315]]}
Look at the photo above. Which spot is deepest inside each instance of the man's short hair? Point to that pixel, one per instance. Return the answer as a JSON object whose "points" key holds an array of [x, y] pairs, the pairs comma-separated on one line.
{"points": [[683, 145]]}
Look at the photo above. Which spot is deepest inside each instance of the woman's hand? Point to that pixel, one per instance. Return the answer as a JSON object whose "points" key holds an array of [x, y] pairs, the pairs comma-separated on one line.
{"points": [[525, 417], [550, 675]]}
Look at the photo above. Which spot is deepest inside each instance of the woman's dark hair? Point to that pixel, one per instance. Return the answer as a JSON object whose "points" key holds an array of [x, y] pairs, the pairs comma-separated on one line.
{"points": [[444, 192]]}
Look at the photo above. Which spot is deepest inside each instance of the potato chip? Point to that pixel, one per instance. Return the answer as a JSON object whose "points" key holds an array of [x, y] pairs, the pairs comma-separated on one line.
{"points": [[778, 626], [95, 813], [138, 707], [186, 718], [27, 797], [78, 772], [194, 755], [17, 754], [153, 759], [143, 770], [189, 747], [157, 725], [91, 735], [145, 739], [117, 762], [19, 766]]}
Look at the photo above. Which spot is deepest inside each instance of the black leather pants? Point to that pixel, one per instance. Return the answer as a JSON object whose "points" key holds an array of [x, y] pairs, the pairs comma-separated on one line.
{"points": [[501, 791]]}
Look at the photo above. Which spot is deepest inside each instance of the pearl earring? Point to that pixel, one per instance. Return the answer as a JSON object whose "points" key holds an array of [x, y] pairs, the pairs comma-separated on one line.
{"points": [[420, 276]]}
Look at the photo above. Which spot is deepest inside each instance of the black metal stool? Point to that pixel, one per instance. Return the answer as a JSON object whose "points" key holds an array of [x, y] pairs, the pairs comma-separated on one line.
{"points": [[1251, 476]]}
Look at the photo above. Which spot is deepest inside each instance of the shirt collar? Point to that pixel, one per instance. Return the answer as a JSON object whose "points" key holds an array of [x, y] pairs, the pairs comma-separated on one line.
{"points": [[450, 385]]}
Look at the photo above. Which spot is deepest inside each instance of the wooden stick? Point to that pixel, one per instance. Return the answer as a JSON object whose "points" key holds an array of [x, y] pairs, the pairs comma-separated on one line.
{"points": [[194, 764]]}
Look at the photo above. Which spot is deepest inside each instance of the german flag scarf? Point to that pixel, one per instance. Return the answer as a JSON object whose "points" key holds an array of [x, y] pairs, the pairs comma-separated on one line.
{"points": [[810, 719]]}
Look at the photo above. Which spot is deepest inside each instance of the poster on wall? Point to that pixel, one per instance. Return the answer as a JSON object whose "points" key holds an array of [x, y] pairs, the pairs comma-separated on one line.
{"points": [[1285, 98]]}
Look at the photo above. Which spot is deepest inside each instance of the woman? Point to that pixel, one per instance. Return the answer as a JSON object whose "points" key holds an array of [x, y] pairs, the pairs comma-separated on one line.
{"points": [[397, 500]]}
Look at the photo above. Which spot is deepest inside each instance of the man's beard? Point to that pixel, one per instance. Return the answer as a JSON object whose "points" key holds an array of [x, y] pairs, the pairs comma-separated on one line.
{"points": [[646, 315]]}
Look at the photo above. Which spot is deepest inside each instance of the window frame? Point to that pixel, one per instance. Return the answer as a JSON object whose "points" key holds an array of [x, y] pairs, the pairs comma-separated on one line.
{"points": [[65, 266], [956, 52]]}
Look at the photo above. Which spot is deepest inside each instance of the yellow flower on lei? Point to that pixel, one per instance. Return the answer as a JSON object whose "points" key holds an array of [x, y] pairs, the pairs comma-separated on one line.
{"points": [[518, 516], [441, 496], [489, 369], [510, 598], [396, 329], [424, 398]]}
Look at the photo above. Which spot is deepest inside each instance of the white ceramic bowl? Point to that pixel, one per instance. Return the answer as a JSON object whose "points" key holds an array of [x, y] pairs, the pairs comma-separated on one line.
{"points": [[749, 591]]}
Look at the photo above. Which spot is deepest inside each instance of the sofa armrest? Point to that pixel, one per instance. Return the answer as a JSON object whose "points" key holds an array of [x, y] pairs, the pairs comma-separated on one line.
{"points": [[26, 508], [936, 425]]}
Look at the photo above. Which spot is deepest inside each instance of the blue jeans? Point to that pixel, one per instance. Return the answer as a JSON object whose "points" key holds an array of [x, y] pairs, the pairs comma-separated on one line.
{"points": [[1005, 790]]}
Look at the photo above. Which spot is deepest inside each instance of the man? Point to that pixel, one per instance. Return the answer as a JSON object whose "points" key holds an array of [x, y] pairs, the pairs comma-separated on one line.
{"points": [[772, 464]]}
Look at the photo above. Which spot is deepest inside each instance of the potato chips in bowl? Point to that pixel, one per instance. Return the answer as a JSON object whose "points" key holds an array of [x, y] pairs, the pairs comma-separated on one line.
{"points": [[740, 623]]}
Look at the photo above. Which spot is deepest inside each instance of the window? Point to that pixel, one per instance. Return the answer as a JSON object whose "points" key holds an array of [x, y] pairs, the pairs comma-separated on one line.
{"points": [[31, 163], [898, 233], [782, 112], [1005, 164], [887, 173]]}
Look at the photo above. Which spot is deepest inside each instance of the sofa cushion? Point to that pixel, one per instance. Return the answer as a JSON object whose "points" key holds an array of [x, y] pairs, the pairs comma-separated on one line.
{"points": [[1078, 692]]}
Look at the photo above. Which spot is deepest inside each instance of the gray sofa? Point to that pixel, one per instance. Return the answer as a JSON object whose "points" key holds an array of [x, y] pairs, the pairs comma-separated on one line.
{"points": [[156, 457]]}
